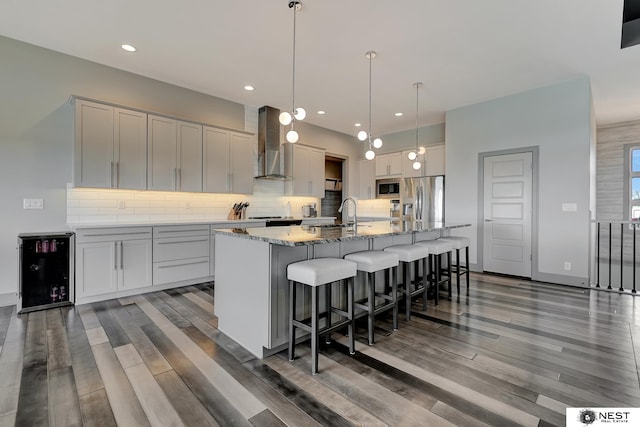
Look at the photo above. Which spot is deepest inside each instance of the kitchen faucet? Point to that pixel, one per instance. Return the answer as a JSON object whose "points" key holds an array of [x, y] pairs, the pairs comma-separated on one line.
{"points": [[355, 215]]}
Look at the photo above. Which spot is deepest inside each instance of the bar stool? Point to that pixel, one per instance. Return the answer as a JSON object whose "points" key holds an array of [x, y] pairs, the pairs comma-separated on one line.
{"points": [[458, 243], [315, 273], [370, 262], [407, 254], [436, 248]]}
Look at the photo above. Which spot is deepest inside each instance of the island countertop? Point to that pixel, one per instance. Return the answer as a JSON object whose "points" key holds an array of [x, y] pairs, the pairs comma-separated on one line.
{"points": [[301, 235]]}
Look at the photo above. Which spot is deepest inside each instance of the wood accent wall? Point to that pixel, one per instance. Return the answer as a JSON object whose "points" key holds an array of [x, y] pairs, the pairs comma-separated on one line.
{"points": [[611, 140]]}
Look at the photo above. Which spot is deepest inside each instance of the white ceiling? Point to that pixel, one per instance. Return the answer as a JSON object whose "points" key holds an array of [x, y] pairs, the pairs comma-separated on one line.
{"points": [[465, 51]]}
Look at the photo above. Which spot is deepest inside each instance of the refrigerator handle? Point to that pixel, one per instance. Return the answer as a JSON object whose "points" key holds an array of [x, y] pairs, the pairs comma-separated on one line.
{"points": [[20, 272]]}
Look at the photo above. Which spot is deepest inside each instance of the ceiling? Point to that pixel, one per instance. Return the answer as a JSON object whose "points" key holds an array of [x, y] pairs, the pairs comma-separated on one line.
{"points": [[464, 51]]}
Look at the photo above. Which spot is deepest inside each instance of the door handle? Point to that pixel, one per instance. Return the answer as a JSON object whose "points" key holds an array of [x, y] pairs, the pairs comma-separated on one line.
{"points": [[488, 220]]}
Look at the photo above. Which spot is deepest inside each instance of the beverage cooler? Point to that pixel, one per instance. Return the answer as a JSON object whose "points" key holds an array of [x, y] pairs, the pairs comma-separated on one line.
{"points": [[46, 271]]}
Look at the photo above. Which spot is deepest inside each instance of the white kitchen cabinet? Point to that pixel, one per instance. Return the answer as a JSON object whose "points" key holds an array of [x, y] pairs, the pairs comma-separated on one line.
{"points": [[434, 163], [388, 165], [174, 155], [306, 166], [228, 161], [180, 253], [407, 165], [189, 157], [112, 260], [366, 179], [110, 147]]}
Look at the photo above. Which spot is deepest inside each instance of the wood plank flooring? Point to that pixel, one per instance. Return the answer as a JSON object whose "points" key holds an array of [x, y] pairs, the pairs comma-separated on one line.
{"points": [[511, 353]]}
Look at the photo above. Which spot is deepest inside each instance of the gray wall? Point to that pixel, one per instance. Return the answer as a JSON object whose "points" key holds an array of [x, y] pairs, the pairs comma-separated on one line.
{"points": [[558, 120], [36, 133]]}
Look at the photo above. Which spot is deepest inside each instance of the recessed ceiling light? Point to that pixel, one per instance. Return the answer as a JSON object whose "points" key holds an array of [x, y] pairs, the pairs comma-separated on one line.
{"points": [[128, 48], [249, 88], [321, 112], [398, 114], [358, 125]]}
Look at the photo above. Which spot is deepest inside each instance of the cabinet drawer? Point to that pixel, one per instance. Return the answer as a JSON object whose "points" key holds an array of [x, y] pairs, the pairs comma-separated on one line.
{"points": [[91, 235], [175, 248], [180, 230], [176, 271]]}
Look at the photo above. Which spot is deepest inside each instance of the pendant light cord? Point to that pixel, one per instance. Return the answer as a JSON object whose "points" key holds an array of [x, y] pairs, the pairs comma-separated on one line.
{"points": [[293, 89], [417, 91], [371, 54]]}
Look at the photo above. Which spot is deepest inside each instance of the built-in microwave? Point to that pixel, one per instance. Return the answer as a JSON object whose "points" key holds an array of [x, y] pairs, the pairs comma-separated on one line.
{"points": [[388, 188]]}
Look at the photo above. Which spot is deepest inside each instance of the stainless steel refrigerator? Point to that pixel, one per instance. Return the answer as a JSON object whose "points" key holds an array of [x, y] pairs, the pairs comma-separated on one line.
{"points": [[423, 199]]}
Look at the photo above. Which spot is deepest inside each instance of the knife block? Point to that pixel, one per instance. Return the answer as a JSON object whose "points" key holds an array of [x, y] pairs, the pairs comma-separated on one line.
{"points": [[233, 215]]}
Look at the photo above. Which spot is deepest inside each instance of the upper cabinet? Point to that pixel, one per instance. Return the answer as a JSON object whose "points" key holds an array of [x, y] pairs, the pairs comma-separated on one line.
{"points": [[228, 161], [110, 147], [388, 165], [434, 163], [121, 148], [306, 166], [407, 165], [174, 157], [366, 179]]}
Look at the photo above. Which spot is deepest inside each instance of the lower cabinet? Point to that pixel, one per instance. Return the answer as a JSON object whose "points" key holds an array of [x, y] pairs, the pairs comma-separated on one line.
{"points": [[180, 253], [112, 260]]}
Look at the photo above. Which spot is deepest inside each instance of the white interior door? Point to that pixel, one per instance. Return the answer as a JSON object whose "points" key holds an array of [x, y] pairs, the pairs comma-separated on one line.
{"points": [[507, 214]]}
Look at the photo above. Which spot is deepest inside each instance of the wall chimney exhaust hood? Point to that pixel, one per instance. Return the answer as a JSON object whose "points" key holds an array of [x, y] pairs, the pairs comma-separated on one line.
{"points": [[269, 162]]}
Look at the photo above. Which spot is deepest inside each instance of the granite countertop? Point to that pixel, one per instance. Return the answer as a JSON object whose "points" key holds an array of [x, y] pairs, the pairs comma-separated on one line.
{"points": [[299, 235]]}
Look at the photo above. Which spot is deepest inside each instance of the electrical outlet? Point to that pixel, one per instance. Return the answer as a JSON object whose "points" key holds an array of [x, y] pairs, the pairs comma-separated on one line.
{"points": [[120, 204], [567, 266], [32, 204]]}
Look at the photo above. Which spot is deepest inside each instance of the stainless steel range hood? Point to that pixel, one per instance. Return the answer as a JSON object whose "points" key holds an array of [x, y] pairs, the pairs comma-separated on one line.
{"points": [[269, 163]]}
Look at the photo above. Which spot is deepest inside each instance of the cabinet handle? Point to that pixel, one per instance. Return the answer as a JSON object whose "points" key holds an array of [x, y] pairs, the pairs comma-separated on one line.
{"points": [[121, 255], [182, 241], [230, 182], [180, 177], [175, 178], [184, 263], [115, 255], [111, 175], [117, 174]]}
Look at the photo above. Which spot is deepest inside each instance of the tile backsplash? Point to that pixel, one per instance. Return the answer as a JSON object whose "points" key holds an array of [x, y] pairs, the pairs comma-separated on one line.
{"points": [[92, 205]]}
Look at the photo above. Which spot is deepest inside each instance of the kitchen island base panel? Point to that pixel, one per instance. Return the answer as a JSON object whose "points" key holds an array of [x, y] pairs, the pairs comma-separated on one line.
{"points": [[242, 291]]}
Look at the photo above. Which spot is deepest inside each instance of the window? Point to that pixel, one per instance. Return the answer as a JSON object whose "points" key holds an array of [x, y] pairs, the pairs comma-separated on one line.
{"points": [[634, 184]]}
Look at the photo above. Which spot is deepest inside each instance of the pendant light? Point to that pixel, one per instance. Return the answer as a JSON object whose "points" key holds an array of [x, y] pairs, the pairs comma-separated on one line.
{"points": [[413, 155], [299, 113], [363, 135]]}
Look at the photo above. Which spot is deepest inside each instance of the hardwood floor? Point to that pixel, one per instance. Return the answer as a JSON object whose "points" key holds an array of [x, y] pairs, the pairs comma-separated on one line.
{"points": [[511, 353]]}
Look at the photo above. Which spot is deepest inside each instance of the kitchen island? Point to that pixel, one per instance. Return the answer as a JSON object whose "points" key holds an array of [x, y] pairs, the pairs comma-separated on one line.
{"points": [[251, 287]]}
